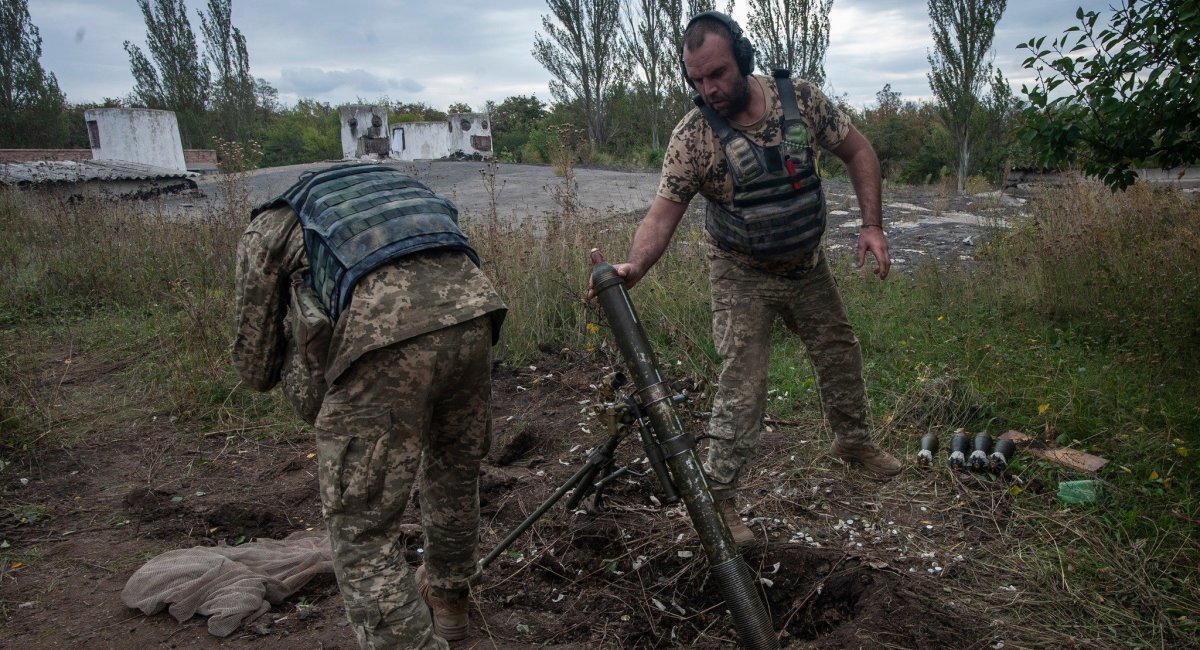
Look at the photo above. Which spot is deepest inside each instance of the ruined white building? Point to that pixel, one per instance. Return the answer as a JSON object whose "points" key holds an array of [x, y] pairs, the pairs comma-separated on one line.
{"points": [[136, 153], [364, 131], [462, 134], [137, 135]]}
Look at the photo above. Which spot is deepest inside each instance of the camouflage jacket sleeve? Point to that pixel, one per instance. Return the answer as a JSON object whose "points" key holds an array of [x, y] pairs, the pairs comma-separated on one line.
{"points": [[829, 124], [690, 154], [270, 250]]}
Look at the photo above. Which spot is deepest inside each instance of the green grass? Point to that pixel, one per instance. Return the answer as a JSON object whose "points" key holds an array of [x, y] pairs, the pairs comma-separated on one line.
{"points": [[1081, 326], [114, 288]]}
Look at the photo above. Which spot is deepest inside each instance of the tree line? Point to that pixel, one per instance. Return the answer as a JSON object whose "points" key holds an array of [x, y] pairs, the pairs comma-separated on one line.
{"points": [[617, 88]]}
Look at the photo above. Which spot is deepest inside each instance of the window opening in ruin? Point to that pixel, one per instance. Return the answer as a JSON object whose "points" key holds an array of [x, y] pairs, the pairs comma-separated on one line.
{"points": [[465, 125], [93, 133]]}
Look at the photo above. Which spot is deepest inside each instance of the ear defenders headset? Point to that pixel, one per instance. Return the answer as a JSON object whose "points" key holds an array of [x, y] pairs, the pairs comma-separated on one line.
{"points": [[743, 51]]}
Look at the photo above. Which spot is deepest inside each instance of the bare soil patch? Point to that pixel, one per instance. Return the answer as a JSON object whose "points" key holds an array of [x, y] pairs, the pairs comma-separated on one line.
{"points": [[845, 563]]}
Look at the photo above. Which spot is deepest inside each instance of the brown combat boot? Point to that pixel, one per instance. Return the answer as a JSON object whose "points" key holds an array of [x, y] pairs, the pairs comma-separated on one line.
{"points": [[742, 535], [449, 614], [873, 459]]}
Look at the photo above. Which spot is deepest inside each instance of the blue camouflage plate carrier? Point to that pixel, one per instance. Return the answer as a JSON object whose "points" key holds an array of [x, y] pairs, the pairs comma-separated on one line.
{"points": [[359, 217]]}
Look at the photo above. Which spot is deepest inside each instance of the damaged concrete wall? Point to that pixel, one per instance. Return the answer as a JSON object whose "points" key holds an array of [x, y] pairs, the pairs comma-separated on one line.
{"points": [[31, 155], [364, 131], [466, 134], [137, 135]]}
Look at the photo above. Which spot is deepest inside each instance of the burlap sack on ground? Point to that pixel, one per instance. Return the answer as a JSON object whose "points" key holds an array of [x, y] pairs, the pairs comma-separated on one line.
{"points": [[231, 585]]}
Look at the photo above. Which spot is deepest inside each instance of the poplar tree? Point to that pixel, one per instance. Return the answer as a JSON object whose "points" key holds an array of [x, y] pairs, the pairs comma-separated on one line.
{"points": [[581, 48], [31, 103], [960, 68], [174, 77], [678, 13], [643, 36], [791, 34], [232, 94]]}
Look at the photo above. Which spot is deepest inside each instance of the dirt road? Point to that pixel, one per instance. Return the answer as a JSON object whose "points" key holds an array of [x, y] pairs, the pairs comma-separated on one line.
{"points": [[922, 223], [521, 191]]}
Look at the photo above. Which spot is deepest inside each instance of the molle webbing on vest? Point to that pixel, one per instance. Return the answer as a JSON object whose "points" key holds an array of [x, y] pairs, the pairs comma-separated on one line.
{"points": [[764, 231], [778, 207], [357, 218]]}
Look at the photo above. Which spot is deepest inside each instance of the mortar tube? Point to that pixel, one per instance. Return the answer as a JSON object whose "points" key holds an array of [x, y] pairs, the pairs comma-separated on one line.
{"points": [[732, 574]]}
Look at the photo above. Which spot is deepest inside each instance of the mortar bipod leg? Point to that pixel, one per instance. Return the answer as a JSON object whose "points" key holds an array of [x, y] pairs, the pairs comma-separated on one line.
{"points": [[600, 457]]}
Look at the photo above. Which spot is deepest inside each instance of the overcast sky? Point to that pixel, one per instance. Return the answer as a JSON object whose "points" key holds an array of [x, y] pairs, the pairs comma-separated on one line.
{"points": [[477, 50]]}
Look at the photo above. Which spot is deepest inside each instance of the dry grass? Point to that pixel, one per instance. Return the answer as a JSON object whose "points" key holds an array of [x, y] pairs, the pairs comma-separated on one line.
{"points": [[1120, 266], [937, 402], [100, 283]]}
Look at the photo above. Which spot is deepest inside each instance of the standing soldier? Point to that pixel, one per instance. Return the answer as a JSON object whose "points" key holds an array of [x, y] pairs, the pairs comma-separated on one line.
{"points": [[747, 148], [359, 289]]}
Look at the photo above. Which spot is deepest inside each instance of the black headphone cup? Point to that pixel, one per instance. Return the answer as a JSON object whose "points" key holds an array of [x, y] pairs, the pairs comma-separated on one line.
{"points": [[743, 54], [743, 51]]}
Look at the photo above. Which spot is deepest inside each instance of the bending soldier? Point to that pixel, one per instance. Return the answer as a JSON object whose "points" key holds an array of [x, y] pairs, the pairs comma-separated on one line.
{"points": [[357, 287]]}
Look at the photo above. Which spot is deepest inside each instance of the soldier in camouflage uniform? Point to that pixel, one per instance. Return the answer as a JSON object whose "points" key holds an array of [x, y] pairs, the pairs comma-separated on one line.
{"points": [[408, 375], [749, 153]]}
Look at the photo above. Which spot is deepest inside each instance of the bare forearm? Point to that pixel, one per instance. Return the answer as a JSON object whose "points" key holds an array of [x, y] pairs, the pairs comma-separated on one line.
{"points": [[863, 167], [654, 234], [649, 243]]}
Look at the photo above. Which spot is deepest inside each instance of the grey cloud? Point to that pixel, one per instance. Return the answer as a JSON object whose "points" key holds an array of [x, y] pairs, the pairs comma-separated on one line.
{"points": [[318, 82]]}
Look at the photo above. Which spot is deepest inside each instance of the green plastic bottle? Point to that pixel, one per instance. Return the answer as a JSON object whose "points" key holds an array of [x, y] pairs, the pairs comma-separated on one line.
{"points": [[1079, 492]]}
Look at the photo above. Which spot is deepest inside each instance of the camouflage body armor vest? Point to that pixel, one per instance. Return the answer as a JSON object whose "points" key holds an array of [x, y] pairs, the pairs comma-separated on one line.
{"points": [[778, 208], [357, 218]]}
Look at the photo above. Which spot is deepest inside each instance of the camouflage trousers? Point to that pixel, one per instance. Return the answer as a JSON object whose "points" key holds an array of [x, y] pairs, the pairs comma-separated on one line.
{"points": [[745, 303], [422, 403]]}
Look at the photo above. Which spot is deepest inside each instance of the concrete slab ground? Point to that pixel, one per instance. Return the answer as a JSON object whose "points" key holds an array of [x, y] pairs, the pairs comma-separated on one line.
{"points": [[922, 222]]}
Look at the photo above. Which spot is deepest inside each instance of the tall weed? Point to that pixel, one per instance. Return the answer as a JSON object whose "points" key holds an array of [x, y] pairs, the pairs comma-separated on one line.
{"points": [[71, 259], [1118, 267], [541, 268], [100, 266]]}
